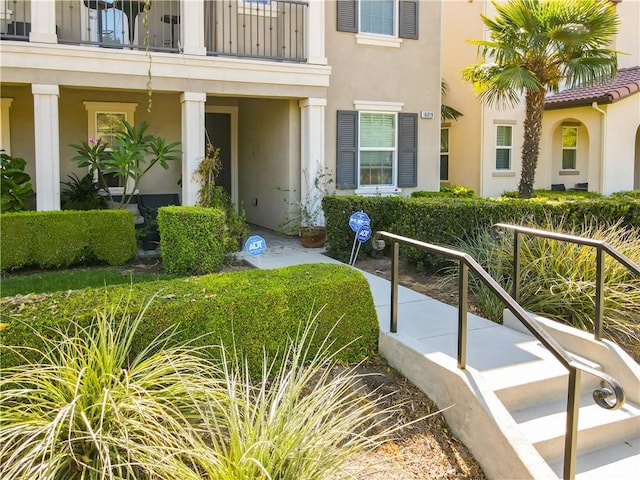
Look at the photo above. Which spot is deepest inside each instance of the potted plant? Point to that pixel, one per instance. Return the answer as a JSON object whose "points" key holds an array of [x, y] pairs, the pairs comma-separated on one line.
{"points": [[306, 214]]}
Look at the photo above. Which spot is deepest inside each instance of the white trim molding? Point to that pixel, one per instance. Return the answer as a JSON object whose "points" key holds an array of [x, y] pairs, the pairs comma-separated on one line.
{"points": [[377, 106], [378, 40]]}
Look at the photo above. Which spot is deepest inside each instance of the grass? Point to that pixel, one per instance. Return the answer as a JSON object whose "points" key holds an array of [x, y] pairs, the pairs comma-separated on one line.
{"points": [[558, 278], [89, 410], [73, 279]]}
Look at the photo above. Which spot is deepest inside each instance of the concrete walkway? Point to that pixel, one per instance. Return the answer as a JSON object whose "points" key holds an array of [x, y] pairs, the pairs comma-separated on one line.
{"points": [[510, 380]]}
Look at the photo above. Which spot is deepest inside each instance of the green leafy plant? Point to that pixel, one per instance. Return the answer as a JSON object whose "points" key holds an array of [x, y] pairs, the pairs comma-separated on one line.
{"points": [[89, 408], [82, 194], [16, 184], [132, 155], [215, 196], [557, 279], [306, 212]]}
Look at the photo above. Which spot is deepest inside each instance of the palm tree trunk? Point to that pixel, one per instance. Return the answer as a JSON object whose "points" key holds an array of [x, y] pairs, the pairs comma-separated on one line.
{"points": [[531, 144]]}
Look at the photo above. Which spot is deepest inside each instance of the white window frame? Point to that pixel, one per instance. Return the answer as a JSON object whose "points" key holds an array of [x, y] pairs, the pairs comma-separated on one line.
{"points": [[574, 149], [95, 108], [380, 39], [447, 153], [508, 148], [5, 125], [368, 188]]}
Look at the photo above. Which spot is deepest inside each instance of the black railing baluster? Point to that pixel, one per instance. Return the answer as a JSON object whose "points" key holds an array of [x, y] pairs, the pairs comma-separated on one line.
{"points": [[601, 395]]}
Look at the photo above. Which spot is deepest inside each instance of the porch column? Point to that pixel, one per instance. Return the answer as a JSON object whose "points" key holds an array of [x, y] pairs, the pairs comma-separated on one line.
{"points": [[47, 146], [192, 26], [315, 33], [43, 22], [312, 161], [192, 142]]}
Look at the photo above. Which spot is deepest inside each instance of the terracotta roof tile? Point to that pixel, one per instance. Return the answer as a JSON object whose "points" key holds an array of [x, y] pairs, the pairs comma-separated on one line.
{"points": [[625, 83]]}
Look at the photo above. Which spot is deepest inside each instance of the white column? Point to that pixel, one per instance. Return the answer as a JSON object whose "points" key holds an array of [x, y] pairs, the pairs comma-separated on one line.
{"points": [[192, 27], [312, 161], [43, 22], [315, 32], [192, 142], [45, 113]]}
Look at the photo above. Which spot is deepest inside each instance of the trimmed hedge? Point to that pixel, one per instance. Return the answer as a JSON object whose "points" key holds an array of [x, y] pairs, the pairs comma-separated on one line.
{"points": [[450, 191], [252, 309], [62, 238], [443, 221], [194, 239]]}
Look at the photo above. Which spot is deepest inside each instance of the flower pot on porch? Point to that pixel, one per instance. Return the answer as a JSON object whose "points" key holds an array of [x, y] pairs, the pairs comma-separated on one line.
{"points": [[313, 237]]}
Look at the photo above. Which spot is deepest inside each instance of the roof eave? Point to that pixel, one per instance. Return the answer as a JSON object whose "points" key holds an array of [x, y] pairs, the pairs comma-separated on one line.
{"points": [[581, 102]]}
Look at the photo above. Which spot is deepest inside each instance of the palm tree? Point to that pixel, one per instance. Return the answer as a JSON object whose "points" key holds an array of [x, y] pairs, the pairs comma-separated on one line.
{"points": [[447, 112], [534, 46]]}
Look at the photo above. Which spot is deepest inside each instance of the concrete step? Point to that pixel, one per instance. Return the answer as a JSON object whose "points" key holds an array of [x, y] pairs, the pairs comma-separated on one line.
{"points": [[523, 384], [544, 425], [619, 460]]}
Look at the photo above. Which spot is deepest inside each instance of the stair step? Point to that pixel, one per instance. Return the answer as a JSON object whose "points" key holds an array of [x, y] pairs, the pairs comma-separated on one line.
{"points": [[544, 425], [523, 384], [618, 460]]}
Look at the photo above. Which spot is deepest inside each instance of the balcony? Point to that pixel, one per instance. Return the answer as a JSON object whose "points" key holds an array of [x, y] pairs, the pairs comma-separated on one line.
{"points": [[261, 29]]}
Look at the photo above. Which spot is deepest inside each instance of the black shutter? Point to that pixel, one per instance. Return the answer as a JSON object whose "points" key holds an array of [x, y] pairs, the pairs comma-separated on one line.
{"points": [[348, 16], [347, 155], [409, 19], [407, 149]]}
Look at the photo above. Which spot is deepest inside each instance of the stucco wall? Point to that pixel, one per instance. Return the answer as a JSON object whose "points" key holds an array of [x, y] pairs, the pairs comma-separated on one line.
{"points": [[628, 39], [623, 123], [269, 151], [409, 74]]}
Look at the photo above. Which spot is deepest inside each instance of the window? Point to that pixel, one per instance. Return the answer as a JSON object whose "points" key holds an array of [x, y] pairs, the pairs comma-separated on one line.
{"points": [[444, 155], [378, 17], [377, 149], [504, 137], [388, 18], [104, 121], [569, 147]]}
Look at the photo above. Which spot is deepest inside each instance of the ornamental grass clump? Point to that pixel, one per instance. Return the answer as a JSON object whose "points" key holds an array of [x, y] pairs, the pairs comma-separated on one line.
{"points": [[88, 409], [557, 279]]}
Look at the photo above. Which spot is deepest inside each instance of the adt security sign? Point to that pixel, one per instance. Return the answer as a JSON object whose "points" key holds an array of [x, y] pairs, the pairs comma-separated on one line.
{"points": [[357, 220], [364, 233], [255, 245]]}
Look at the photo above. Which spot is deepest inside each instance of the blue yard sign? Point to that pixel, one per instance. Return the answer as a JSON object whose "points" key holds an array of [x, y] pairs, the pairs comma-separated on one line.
{"points": [[357, 220], [364, 233], [255, 245]]}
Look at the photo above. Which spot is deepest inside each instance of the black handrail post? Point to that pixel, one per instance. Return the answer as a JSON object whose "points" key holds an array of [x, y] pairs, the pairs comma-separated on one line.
{"points": [[571, 435], [463, 304], [394, 287], [516, 266], [599, 304]]}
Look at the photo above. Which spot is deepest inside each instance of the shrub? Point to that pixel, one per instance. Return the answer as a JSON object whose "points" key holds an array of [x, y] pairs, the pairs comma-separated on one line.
{"points": [[450, 191], [58, 239], [444, 221], [257, 309], [557, 194], [194, 239], [92, 408], [557, 279], [635, 194]]}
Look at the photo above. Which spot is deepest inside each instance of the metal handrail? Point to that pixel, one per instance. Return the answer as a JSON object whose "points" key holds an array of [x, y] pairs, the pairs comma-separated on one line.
{"points": [[601, 396], [602, 247]]}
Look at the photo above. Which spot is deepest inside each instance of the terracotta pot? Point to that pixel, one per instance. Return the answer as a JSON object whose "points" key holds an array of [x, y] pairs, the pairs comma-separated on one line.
{"points": [[313, 237]]}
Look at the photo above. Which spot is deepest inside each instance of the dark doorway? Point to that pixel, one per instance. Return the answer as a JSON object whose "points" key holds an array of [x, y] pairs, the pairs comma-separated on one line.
{"points": [[218, 126]]}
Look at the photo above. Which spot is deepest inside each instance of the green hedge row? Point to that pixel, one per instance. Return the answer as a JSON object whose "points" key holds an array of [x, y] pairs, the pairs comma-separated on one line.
{"points": [[62, 238], [254, 309], [443, 221], [194, 239]]}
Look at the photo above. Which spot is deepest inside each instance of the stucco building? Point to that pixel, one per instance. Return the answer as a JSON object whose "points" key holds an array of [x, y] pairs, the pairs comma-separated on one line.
{"points": [[284, 88]]}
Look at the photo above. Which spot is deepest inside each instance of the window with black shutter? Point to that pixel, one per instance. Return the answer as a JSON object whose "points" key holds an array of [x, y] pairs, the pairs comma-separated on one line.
{"points": [[377, 17]]}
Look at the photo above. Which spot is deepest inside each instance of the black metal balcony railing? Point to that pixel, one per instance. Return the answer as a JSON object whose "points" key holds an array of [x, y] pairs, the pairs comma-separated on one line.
{"points": [[264, 29], [271, 29]]}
